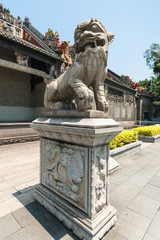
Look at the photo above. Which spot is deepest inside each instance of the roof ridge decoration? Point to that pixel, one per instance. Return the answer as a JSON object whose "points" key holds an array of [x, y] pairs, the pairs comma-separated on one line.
{"points": [[10, 24], [64, 48], [51, 43]]}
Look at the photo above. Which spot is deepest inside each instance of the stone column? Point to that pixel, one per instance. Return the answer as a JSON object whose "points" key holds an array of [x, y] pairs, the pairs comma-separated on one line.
{"points": [[74, 172]]}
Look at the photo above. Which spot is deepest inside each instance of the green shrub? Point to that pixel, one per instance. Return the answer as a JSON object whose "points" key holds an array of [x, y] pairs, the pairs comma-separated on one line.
{"points": [[157, 103], [125, 137], [152, 130]]}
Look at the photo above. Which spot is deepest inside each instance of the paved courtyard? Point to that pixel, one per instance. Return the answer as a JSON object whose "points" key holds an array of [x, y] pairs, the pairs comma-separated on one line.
{"points": [[134, 192]]}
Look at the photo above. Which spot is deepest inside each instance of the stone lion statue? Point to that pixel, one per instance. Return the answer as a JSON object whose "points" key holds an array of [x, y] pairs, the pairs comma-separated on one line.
{"points": [[84, 80]]}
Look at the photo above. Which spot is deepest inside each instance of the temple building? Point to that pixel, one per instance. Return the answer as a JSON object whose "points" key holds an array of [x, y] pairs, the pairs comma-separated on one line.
{"points": [[28, 58]]}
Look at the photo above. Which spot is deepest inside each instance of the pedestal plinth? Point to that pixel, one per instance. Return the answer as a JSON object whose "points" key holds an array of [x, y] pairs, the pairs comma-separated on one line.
{"points": [[74, 172]]}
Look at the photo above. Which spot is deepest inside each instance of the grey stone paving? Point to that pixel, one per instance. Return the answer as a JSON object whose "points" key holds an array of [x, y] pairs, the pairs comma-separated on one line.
{"points": [[134, 192]]}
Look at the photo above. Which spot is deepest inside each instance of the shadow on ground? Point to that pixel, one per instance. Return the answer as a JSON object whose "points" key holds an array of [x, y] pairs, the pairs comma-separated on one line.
{"points": [[34, 213]]}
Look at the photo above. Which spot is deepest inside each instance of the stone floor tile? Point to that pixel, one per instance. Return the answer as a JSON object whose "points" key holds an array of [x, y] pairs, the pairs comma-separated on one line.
{"points": [[156, 161], [7, 171], [8, 226], [119, 201], [34, 231], [46, 228], [112, 235], [34, 212], [131, 225], [125, 161], [130, 169], [9, 206], [154, 229], [29, 164], [151, 192], [112, 187], [30, 213], [23, 217], [22, 177], [147, 171], [36, 209], [6, 194], [4, 186], [139, 181], [144, 206], [27, 186], [149, 237], [155, 181], [127, 190], [118, 178], [137, 155]]}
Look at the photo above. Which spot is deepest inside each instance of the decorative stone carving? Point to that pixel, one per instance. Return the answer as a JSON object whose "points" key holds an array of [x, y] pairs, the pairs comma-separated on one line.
{"points": [[129, 98], [88, 70], [74, 172], [21, 59], [63, 169], [100, 176], [115, 95], [18, 140], [75, 150]]}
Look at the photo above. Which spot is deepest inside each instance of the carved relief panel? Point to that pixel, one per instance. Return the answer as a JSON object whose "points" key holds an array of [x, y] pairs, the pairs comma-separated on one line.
{"points": [[99, 179], [115, 95], [130, 98], [64, 171]]}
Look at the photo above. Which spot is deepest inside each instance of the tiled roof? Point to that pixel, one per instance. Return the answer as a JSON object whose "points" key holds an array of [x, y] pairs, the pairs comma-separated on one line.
{"points": [[27, 44], [39, 40], [39, 36]]}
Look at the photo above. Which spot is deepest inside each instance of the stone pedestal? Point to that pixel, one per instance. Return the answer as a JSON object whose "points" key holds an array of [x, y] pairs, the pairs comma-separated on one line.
{"points": [[74, 172]]}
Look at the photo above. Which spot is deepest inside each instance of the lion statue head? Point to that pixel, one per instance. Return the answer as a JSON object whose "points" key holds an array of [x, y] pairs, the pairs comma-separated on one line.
{"points": [[91, 33]]}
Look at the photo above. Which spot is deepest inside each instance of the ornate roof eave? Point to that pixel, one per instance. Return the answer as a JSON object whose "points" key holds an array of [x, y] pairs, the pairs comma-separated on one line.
{"points": [[29, 45], [114, 74], [121, 84]]}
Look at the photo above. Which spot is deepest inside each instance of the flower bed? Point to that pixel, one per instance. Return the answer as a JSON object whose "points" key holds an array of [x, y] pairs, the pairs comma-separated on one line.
{"points": [[125, 137], [148, 133], [151, 131]]}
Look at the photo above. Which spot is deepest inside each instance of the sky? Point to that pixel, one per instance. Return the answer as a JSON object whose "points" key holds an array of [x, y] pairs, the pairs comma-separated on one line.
{"points": [[135, 23]]}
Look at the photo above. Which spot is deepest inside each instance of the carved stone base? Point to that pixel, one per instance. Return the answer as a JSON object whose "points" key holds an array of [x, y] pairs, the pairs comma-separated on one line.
{"points": [[74, 172], [74, 114], [83, 227]]}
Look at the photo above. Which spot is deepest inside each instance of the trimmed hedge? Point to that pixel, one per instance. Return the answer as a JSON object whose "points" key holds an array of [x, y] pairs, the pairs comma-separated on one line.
{"points": [[125, 137], [152, 130]]}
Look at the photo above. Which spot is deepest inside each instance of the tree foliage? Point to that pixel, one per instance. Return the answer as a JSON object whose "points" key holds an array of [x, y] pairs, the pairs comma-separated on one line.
{"points": [[152, 57], [152, 85]]}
